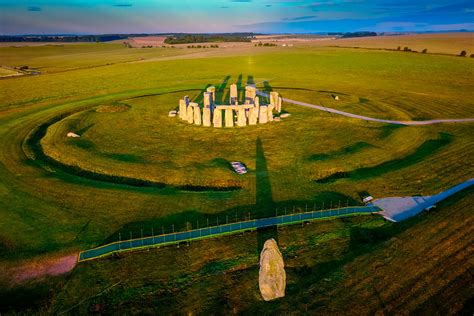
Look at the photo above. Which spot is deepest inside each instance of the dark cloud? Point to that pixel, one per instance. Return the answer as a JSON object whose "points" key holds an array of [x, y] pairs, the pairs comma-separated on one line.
{"points": [[224, 7], [268, 5], [300, 18], [34, 9], [123, 5]]}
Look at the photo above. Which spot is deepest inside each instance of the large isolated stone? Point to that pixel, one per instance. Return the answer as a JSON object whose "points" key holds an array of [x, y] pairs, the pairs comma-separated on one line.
{"points": [[272, 275], [229, 118], [206, 117], [217, 119]]}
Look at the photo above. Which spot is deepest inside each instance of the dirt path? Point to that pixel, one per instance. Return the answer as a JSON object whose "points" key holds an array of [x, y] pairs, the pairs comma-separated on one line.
{"points": [[41, 267], [366, 118]]}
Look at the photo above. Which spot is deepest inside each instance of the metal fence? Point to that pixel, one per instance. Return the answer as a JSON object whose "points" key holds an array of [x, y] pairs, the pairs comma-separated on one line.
{"points": [[214, 231]]}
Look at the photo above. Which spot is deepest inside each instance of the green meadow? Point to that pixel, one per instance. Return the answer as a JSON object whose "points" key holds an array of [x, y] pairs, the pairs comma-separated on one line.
{"points": [[134, 169]]}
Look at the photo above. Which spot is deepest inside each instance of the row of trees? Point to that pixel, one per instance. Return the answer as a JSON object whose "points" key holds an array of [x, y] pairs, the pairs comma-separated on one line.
{"points": [[260, 44], [424, 51]]}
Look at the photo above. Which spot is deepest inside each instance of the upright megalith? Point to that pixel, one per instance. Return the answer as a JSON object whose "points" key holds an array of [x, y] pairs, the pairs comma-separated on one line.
{"points": [[190, 114], [253, 116], [241, 117], [270, 112], [276, 100], [250, 94], [233, 94], [197, 113], [263, 115], [207, 99], [229, 117], [272, 275], [182, 109], [211, 114], [206, 117], [217, 119], [212, 91]]}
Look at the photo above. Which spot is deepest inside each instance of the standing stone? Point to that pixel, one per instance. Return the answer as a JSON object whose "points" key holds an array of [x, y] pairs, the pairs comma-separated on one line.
{"points": [[253, 116], [272, 275], [217, 119], [229, 118], [207, 99], [273, 98], [190, 114], [206, 116], [263, 115], [233, 94], [212, 91], [270, 112], [197, 114], [182, 110], [241, 118], [278, 108]]}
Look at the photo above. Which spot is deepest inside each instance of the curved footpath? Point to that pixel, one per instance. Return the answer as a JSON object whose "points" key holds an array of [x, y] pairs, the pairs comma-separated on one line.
{"points": [[216, 231], [394, 209], [366, 118], [397, 209]]}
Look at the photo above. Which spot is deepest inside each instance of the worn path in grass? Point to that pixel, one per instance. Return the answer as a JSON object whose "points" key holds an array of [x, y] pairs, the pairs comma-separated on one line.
{"points": [[366, 118], [397, 209]]}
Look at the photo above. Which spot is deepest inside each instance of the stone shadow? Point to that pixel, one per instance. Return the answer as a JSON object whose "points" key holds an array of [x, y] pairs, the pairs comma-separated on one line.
{"points": [[221, 90], [264, 203]]}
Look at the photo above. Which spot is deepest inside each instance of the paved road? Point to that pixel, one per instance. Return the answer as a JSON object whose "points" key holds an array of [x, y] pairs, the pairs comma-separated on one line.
{"points": [[215, 231], [397, 209], [366, 118]]}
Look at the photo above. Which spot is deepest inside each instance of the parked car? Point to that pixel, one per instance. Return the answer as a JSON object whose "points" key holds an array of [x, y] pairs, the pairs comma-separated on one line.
{"points": [[239, 167]]}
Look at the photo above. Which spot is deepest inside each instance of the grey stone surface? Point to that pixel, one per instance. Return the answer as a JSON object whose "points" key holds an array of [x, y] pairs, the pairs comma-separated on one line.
{"points": [[272, 275]]}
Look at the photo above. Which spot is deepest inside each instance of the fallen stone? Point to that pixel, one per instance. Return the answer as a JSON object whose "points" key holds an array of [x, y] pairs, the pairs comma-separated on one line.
{"points": [[74, 135], [285, 115], [272, 275], [172, 113]]}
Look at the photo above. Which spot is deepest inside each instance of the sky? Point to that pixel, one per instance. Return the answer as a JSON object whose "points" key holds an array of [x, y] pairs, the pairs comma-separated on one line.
{"points": [[214, 16]]}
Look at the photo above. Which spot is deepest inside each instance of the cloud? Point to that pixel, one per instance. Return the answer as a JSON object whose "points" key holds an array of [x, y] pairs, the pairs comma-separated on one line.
{"points": [[224, 7], [34, 9], [300, 18], [123, 5], [240, 0]]}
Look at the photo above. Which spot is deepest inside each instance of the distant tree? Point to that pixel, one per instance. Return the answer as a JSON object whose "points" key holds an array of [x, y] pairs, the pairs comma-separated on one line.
{"points": [[399, 48], [406, 49], [463, 53], [425, 51], [472, 55]]}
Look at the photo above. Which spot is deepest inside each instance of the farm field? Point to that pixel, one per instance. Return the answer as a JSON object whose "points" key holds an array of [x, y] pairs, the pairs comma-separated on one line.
{"points": [[134, 169]]}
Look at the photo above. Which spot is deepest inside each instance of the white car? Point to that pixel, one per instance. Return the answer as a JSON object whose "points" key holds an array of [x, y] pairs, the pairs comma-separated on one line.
{"points": [[238, 167]]}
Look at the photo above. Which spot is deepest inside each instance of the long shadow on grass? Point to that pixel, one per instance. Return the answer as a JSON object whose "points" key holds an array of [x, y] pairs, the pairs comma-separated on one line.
{"points": [[220, 90], [426, 149], [351, 149]]}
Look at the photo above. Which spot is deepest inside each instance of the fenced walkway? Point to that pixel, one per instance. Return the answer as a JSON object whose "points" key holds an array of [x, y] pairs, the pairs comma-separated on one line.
{"points": [[214, 231]]}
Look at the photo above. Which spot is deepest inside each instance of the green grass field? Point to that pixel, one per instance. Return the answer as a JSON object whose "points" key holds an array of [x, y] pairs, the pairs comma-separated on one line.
{"points": [[61, 195]]}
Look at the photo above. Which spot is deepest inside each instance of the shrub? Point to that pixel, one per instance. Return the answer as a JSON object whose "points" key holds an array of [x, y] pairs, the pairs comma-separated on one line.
{"points": [[399, 48], [463, 53], [406, 49], [425, 51], [472, 55]]}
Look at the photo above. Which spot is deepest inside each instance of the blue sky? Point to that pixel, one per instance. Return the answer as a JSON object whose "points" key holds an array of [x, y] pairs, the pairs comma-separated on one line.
{"points": [[271, 16]]}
